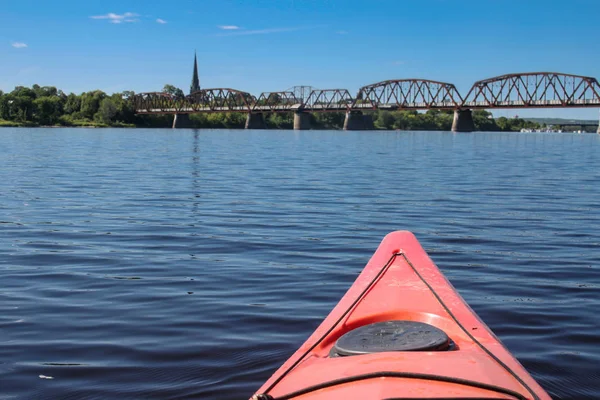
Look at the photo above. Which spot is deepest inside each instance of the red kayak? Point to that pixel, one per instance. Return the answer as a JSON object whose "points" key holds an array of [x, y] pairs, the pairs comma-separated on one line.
{"points": [[401, 332]]}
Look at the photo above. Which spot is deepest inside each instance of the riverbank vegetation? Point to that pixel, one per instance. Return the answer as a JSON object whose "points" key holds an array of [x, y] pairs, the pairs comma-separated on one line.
{"points": [[49, 106]]}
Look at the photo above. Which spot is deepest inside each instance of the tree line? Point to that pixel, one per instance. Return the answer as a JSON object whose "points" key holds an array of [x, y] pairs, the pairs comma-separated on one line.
{"points": [[49, 106]]}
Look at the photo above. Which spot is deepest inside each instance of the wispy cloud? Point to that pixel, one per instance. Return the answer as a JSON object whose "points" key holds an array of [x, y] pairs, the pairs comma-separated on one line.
{"points": [[118, 18], [342, 32], [161, 21], [28, 72], [243, 32], [19, 45], [399, 62], [229, 27]]}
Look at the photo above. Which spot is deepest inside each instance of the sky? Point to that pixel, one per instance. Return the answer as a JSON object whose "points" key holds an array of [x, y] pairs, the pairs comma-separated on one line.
{"points": [[271, 45]]}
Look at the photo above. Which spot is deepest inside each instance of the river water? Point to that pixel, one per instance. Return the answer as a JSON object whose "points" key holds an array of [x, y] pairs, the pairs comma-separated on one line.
{"points": [[181, 264]]}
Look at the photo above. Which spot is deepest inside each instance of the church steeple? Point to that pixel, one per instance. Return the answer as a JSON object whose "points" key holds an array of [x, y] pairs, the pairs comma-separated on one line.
{"points": [[195, 86]]}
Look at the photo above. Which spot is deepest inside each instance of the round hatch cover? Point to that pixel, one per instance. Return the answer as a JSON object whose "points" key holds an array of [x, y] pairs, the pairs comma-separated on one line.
{"points": [[391, 336]]}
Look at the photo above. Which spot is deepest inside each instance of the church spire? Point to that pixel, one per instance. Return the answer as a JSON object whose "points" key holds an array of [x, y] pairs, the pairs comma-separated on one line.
{"points": [[195, 86]]}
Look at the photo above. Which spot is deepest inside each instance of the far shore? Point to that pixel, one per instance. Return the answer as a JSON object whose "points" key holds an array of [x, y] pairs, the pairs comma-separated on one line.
{"points": [[102, 126]]}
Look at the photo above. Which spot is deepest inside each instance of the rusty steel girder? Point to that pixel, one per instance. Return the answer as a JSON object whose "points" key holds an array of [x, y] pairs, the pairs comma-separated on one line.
{"points": [[534, 89], [328, 100], [205, 100], [276, 102], [301, 92], [408, 94], [220, 100], [158, 103]]}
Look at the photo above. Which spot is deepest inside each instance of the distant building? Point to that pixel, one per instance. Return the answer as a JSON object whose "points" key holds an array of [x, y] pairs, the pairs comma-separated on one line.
{"points": [[195, 86]]}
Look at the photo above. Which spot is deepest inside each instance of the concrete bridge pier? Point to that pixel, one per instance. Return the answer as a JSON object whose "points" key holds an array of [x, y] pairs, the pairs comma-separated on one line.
{"points": [[463, 121], [255, 121], [369, 124], [301, 121], [182, 121], [356, 121]]}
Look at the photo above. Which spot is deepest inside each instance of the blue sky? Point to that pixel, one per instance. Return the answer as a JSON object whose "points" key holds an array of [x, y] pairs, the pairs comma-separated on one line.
{"points": [[269, 45]]}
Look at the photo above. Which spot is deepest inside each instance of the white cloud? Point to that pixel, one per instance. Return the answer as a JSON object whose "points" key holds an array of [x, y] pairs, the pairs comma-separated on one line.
{"points": [[342, 32], [229, 27], [19, 45], [399, 62], [161, 21], [242, 32], [118, 18]]}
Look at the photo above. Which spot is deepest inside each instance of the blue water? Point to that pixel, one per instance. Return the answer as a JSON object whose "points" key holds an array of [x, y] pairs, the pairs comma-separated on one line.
{"points": [[180, 264]]}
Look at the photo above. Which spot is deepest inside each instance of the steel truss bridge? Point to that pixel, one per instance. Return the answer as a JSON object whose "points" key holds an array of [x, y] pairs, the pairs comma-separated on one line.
{"points": [[528, 90], [523, 90]]}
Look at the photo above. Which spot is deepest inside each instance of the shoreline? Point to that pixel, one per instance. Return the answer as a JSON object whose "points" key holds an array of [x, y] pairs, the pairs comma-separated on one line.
{"points": [[13, 124], [266, 129]]}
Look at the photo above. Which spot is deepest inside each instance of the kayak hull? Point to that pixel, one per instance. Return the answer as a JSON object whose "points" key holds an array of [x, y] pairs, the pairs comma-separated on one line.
{"points": [[401, 283]]}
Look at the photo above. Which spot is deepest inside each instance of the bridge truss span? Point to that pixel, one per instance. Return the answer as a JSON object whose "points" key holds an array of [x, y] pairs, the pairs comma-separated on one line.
{"points": [[535, 89], [304, 98], [158, 103], [524, 90], [408, 94], [301, 92], [205, 100], [328, 100], [277, 102], [221, 99]]}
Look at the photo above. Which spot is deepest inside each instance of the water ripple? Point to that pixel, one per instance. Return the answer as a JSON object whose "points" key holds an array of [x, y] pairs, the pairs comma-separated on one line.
{"points": [[190, 264]]}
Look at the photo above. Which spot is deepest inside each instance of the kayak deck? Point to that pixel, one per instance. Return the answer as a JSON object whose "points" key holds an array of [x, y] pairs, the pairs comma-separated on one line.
{"points": [[401, 283]]}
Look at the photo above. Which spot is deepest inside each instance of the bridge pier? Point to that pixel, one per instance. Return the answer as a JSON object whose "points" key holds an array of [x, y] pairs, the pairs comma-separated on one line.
{"points": [[182, 121], [463, 121], [356, 121], [301, 121], [255, 121]]}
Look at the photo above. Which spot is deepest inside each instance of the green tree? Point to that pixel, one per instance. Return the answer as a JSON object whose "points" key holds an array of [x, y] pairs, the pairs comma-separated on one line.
{"points": [[4, 110], [125, 109], [280, 120], [127, 94], [20, 104], [106, 112], [503, 124], [22, 91], [72, 104], [332, 120], [444, 120], [173, 91], [47, 110], [90, 103], [45, 91], [384, 120], [484, 121]]}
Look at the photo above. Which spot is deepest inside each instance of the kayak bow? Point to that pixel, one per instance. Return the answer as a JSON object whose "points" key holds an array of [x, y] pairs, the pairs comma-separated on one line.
{"points": [[401, 332]]}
